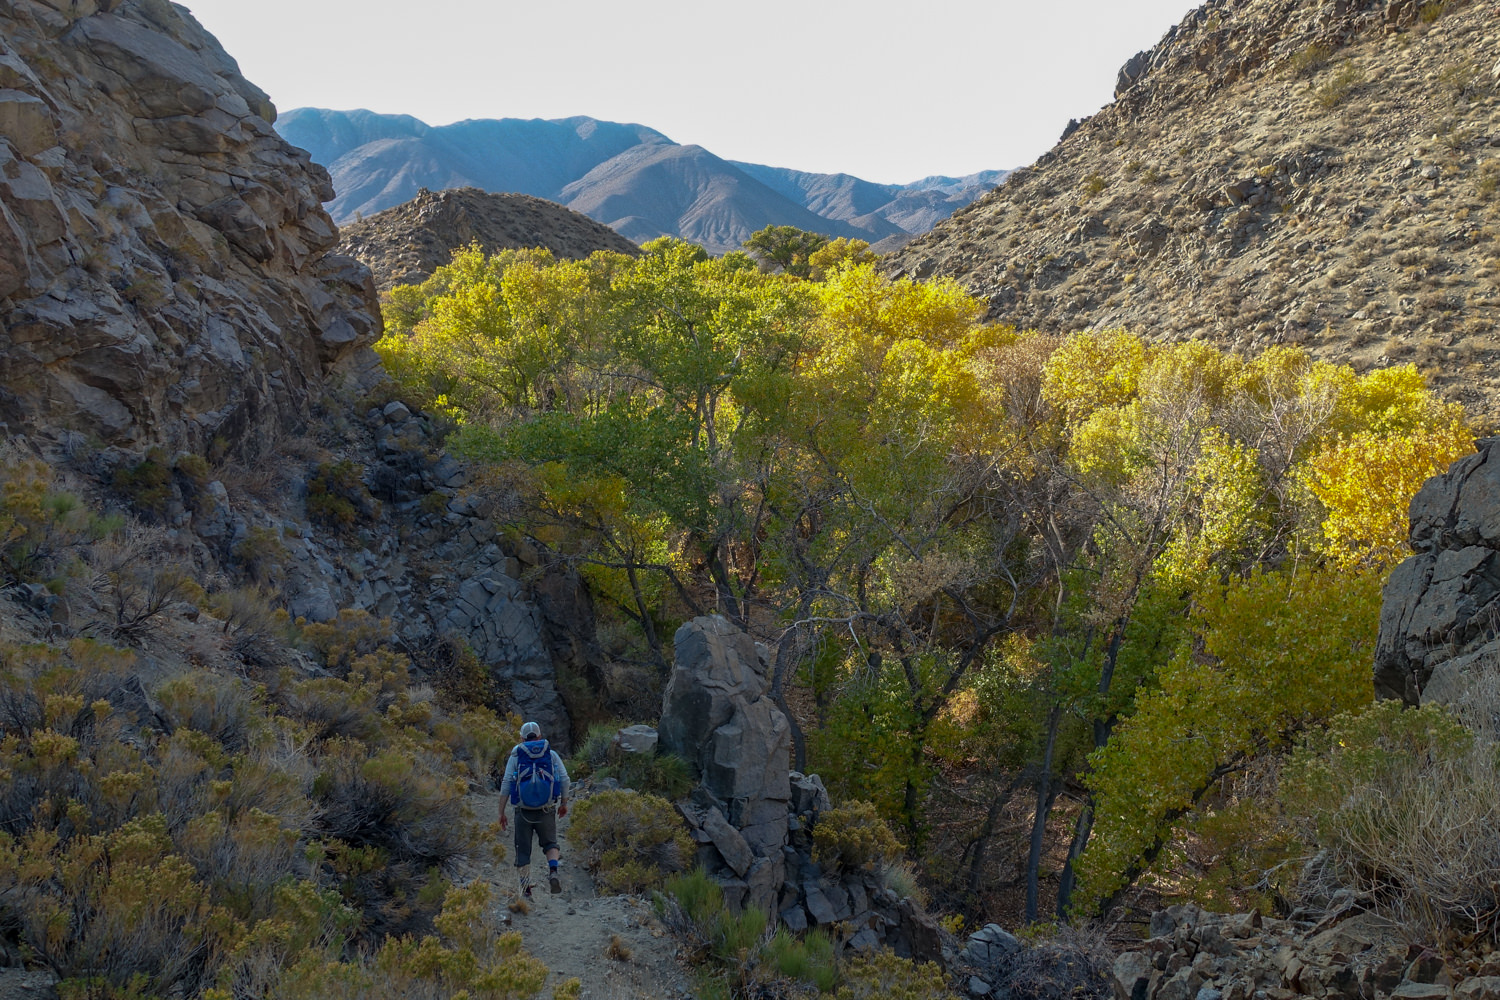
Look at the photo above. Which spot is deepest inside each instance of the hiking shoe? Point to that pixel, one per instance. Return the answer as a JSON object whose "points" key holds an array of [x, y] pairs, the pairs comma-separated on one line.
{"points": [[526, 892], [553, 882]]}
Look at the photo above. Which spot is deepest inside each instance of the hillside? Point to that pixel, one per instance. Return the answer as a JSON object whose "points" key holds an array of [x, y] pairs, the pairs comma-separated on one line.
{"points": [[629, 177], [403, 245], [1273, 172]]}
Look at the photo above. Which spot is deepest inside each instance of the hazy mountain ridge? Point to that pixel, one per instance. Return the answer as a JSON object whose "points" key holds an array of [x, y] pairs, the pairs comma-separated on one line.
{"points": [[627, 176], [1273, 172]]}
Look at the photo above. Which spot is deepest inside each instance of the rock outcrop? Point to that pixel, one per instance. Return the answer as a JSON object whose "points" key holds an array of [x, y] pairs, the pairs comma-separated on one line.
{"points": [[165, 267], [1440, 617], [1312, 172], [405, 244], [717, 715], [753, 817]]}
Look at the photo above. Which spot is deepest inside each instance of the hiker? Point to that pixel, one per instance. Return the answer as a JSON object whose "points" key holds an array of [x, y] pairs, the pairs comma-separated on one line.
{"points": [[536, 783]]}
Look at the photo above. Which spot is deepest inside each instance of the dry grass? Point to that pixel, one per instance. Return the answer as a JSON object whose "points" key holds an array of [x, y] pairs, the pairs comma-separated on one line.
{"points": [[1407, 810]]}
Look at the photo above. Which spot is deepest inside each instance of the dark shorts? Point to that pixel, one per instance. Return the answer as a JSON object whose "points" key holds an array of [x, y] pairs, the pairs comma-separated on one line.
{"points": [[542, 822]]}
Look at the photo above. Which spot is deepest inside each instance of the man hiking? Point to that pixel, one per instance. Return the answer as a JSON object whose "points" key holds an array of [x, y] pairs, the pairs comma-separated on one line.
{"points": [[536, 783]]}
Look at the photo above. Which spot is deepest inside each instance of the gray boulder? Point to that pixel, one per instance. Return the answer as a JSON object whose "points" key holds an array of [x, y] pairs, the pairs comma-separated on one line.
{"points": [[717, 716], [1441, 604]]}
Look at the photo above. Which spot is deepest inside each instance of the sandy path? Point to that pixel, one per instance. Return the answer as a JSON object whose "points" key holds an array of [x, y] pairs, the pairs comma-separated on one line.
{"points": [[571, 932]]}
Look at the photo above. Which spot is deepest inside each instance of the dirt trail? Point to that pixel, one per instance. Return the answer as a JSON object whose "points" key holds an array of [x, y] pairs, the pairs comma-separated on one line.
{"points": [[571, 932]]}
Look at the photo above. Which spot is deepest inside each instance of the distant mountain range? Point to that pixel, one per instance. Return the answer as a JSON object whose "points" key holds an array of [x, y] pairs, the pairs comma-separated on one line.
{"points": [[629, 177]]}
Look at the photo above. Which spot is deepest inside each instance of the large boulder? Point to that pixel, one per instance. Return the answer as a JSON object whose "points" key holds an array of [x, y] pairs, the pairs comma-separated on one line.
{"points": [[717, 715], [1441, 607]]}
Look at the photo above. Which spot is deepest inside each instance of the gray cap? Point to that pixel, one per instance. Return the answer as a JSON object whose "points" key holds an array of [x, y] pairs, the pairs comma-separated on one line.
{"points": [[530, 730]]}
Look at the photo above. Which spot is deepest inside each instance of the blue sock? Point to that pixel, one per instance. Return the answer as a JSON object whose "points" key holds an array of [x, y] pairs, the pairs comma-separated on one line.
{"points": [[552, 864]]}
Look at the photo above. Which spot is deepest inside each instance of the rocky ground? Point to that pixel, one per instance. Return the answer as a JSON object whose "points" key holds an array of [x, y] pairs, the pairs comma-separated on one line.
{"points": [[405, 244], [1344, 952], [1314, 172]]}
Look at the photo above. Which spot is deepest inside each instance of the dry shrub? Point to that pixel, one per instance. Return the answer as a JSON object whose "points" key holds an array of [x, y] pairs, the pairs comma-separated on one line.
{"points": [[224, 708], [258, 630], [133, 582], [1067, 963], [630, 840], [1405, 805]]}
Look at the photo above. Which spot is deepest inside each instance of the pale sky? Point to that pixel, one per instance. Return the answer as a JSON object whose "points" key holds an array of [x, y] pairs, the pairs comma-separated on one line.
{"points": [[888, 92]]}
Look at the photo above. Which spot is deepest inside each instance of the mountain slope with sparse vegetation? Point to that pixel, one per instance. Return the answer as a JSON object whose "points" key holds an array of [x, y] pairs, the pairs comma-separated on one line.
{"points": [[1275, 172]]}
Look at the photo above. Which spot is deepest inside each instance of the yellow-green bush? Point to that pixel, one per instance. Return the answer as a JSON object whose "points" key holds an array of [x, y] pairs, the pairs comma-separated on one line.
{"points": [[631, 840], [853, 836], [238, 837], [883, 976], [42, 527], [468, 957]]}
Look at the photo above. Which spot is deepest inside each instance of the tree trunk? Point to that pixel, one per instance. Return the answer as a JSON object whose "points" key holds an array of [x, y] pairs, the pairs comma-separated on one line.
{"points": [[647, 625], [1081, 832], [1104, 724], [727, 601], [1046, 795]]}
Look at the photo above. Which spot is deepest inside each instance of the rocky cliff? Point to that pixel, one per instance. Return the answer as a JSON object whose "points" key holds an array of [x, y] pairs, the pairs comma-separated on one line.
{"points": [[1315, 172], [405, 244], [1440, 617], [165, 267]]}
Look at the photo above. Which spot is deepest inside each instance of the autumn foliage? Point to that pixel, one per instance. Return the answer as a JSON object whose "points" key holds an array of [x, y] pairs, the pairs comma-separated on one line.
{"points": [[1097, 563]]}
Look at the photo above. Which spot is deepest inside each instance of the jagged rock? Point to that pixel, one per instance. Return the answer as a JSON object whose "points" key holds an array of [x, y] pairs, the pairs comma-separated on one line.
{"points": [[918, 936], [503, 628], [808, 794], [991, 943], [1440, 604], [1478, 988], [819, 907], [731, 846], [1132, 975], [795, 919], [716, 716], [1355, 935], [132, 699], [165, 275]]}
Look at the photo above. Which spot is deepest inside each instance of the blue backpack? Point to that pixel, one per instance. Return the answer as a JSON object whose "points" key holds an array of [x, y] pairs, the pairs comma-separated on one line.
{"points": [[535, 786]]}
